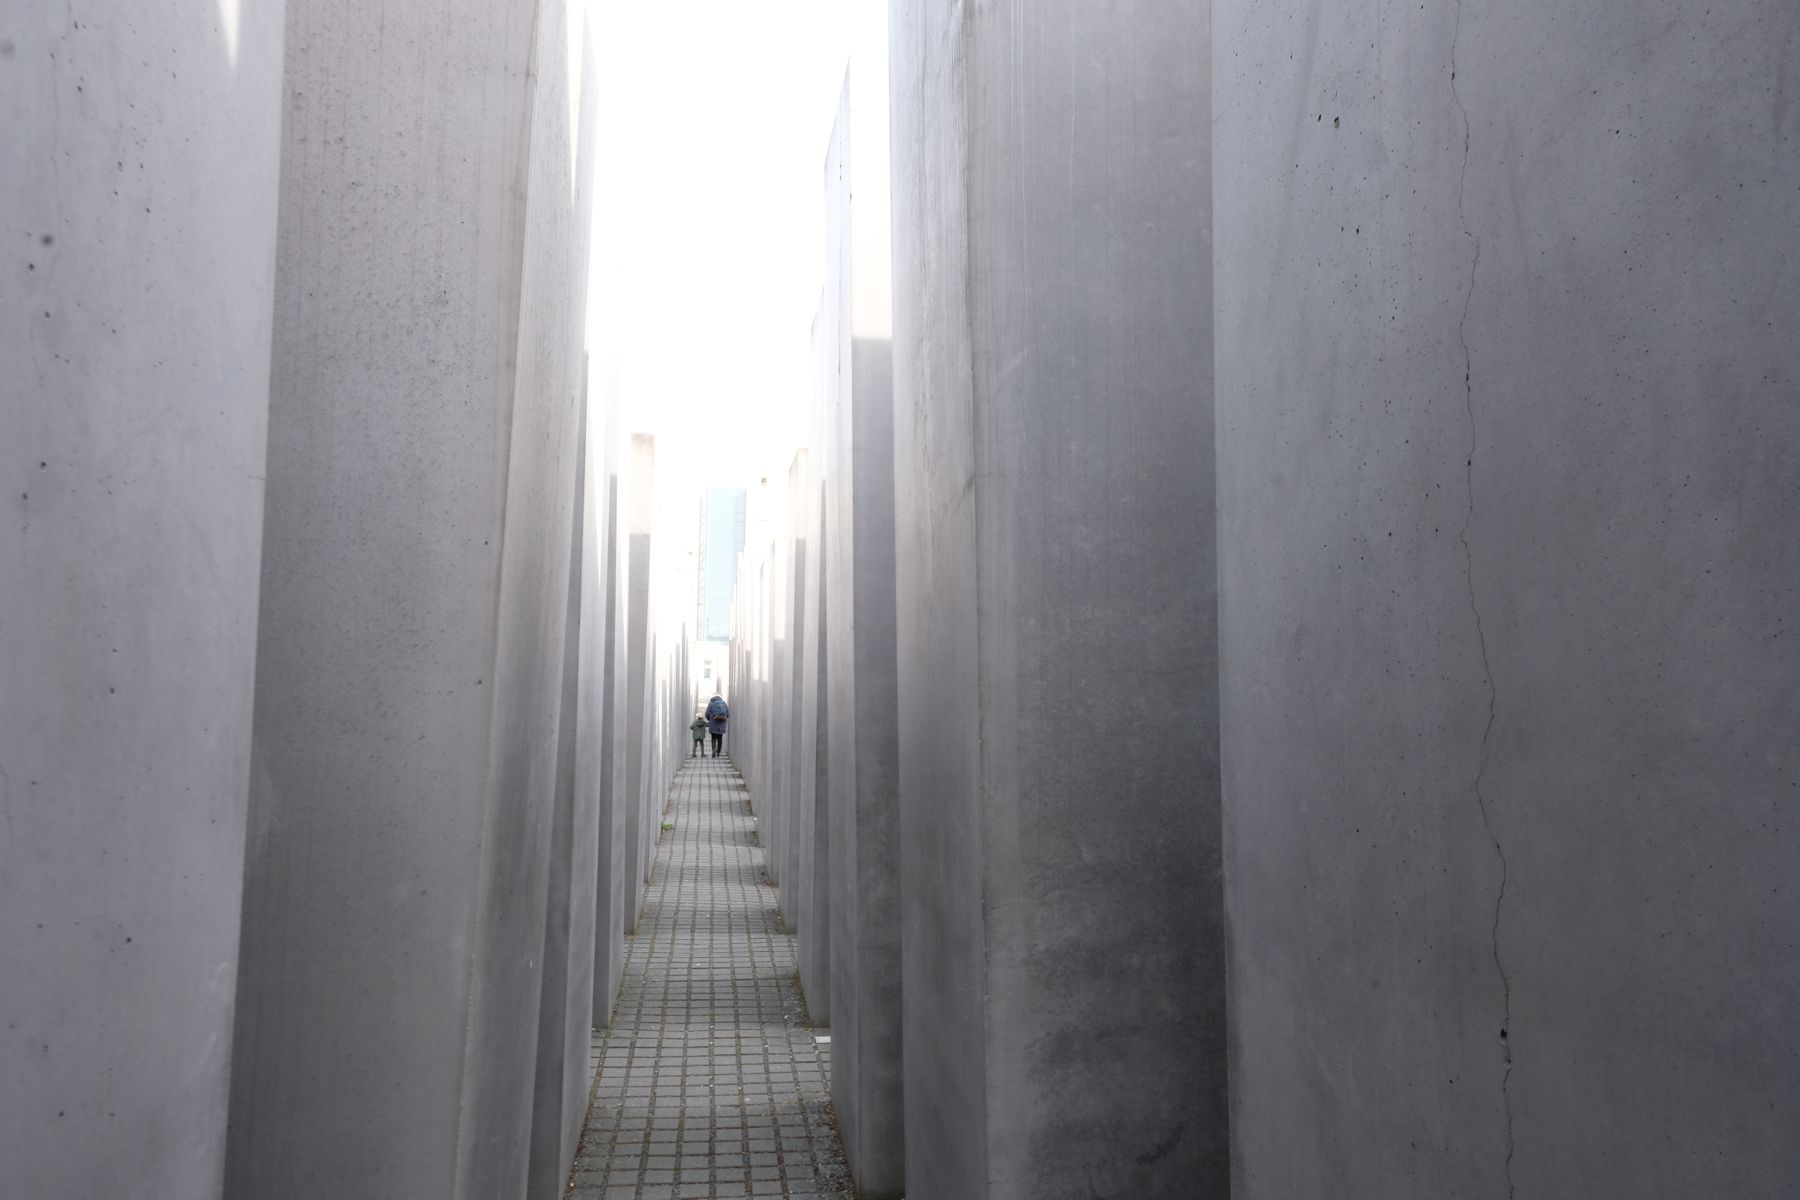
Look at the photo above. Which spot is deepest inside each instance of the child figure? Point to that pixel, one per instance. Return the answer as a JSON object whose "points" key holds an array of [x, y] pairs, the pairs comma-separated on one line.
{"points": [[698, 728]]}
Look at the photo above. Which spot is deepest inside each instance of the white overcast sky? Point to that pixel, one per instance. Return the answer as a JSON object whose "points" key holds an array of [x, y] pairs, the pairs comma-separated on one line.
{"points": [[714, 117]]}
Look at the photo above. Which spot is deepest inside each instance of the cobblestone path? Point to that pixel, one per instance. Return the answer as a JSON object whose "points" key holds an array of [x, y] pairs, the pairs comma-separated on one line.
{"points": [[710, 1084]]}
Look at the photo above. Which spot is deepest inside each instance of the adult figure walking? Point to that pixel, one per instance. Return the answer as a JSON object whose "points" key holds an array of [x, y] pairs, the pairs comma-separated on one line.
{"points": [[717, 713]]}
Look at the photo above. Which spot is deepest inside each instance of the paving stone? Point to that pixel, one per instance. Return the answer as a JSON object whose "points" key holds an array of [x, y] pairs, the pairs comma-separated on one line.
{"points": [[709, 1083]]}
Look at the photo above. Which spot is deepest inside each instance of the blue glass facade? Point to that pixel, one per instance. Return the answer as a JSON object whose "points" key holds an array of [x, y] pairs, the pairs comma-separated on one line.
{"points": [[721, 541]]}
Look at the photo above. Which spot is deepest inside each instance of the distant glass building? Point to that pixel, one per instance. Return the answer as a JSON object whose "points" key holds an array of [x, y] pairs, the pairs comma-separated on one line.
{"points": [[721, 541]]}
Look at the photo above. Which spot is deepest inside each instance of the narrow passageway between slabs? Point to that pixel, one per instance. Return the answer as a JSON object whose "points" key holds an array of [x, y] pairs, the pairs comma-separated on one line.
{"points": [[710, 1083]]}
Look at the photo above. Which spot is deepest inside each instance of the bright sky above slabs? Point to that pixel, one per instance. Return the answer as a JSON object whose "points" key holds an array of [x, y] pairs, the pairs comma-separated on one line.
{"points": [[709, 242]]}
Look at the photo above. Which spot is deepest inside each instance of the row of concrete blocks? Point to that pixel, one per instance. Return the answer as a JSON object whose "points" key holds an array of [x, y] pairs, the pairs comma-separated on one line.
{"points": [[335, 733], [1310, 712]]}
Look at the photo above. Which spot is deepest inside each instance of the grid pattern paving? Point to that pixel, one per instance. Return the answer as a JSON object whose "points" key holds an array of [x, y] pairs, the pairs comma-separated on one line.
{"points": [[709, 1083]]}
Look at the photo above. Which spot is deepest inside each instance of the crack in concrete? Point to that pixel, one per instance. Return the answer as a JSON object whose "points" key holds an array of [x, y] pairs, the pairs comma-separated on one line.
{"points": [[1462, 336]]}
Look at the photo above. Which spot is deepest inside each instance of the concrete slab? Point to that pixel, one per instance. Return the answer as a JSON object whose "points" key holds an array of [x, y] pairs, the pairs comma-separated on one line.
{"points": [[863, 734], [650, 714], [794, 765], [564, 1031], [138, 165], [779, 690], [1056, 617], [1507, 499], [565, 1012], [414, 587], [608, 766], [857, 447], [640, 512], [812, 829], [541, 498]]}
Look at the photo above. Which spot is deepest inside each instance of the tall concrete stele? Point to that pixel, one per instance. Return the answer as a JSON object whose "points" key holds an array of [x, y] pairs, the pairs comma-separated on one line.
{"points": [[633, 732], [415, 592], [1509, 486], [138, 194], [859, 795], [1062, 935], [608, 629]]}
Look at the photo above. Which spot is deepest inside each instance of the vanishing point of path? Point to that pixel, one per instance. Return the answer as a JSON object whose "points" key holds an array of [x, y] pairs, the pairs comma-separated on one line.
{"points": [[710, 1083]]}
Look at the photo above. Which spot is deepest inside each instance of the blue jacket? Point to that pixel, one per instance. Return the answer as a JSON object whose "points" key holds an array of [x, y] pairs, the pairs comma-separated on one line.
{"points": [[717, 713]]}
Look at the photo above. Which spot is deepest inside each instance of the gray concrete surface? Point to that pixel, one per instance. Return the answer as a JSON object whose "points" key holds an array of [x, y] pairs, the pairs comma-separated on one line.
{"points": [[414, 586], [137, 219], [507, 961], [648, 800], [862, 730], [565, 1007], [650, 829], [787, 689], [796, 763], [768, 644], [764, 678], [751, 650], [611, 893], [1508, 493], [774, 737], [812, 829], [803, 893], [856, 447], [634, 538], [1064, 1026], [565, 1010], [943, 931], [667, 750]]}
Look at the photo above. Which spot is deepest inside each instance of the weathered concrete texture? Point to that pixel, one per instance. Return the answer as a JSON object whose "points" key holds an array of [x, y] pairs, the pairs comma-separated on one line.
{"points": [[1508, 495], [786, 686], [780, 682], [137, 220], [541, 496], [764, 685], [421, 465], [648, 808], [862, 732], [634, 537], [748, 744], [790, 682], [805, 890], [559, 1071], [811, 886], [647, 818], [608, 765], [677, 711], [751, 651], [664, 751], [1064, 1000], [766, 644], [565, 1010]]}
